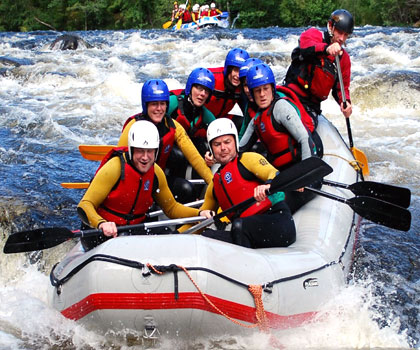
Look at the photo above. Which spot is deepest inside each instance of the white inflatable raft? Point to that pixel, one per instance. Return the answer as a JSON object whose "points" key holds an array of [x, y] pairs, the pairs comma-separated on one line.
{"points": [[221, 21], [115, 286]]}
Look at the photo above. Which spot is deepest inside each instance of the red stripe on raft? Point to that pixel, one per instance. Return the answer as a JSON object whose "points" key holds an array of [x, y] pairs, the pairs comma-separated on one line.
{"points": [[159, 301]]}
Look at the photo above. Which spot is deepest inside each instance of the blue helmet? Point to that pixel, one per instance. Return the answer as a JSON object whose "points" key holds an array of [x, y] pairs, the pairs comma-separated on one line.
{"points": [[236, 58], [258, 75], [248, 64], [200, 76], [154, 90]]}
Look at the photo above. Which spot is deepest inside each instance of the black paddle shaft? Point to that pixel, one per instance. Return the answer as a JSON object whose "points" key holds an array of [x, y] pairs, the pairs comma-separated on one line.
{"points": [[375, 210], [48, 237], [297, 176]]}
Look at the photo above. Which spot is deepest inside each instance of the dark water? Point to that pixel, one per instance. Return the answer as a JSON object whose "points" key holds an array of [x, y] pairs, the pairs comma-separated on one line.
{"points": [[52, 101]]}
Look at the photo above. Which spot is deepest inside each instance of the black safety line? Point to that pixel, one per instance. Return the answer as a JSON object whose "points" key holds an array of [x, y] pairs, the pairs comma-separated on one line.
{"points": [[175, 269]]}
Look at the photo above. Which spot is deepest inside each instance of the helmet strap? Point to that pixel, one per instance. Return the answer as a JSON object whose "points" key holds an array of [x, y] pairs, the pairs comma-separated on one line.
{"points": [[330, 28]]}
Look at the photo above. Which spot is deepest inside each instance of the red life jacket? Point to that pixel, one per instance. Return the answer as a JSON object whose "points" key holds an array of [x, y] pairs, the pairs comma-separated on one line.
{"points": [[230, 188], [289, 95], [281, 146], [221, 101], [251, 111], [313, 79], [213, 13], [131, 197], [167, 136], [186, 17], [195, 15], [195, 128]]}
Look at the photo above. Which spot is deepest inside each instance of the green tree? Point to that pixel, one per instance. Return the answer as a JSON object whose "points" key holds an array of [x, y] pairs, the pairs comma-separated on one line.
{"points": [[24, 15]]}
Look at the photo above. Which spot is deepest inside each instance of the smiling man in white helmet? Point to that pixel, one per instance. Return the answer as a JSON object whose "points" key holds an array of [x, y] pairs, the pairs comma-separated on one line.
{"points": [[126, 184], [267, 223]]}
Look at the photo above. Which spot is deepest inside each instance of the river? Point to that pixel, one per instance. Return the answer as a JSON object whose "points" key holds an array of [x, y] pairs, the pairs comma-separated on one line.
{"points": [[52, 101]]}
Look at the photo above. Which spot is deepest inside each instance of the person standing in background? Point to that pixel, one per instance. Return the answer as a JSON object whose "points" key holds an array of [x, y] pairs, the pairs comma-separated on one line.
{"points": [[313, 74]]}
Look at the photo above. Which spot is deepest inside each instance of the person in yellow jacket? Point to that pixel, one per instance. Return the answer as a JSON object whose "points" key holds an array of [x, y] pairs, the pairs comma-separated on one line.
{"points": [[214, 11], [126, 185], [268, 222], [195, 14], [155, 102], [174, 11]]}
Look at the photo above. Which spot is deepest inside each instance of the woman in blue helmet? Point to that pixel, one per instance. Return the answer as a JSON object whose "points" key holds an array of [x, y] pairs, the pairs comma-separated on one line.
{"points": [[187, 106], [281, 124], [155, 103], [227, 91]]}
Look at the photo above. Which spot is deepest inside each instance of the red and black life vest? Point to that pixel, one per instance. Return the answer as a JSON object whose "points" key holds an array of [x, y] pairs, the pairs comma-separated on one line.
{"points": [[230, 188], [289, 95], [281, 146], [166, 134], [186, 17], [313, 79], [195, 128], [131, 197], [222, 101], [195, 15]]}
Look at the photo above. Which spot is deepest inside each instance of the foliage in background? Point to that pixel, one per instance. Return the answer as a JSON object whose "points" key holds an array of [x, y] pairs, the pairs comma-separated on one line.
{"points": [[70, 15]]}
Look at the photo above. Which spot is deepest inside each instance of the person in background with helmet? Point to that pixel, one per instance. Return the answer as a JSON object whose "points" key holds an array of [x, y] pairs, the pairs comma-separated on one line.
{"points": [[155, 103], [281, 124], [174, 11], [214, 11], [125, 186], [184, 14], [227, 91], [187, 106], [267, 223], [195, 14], [204, 10], [312, 74]]}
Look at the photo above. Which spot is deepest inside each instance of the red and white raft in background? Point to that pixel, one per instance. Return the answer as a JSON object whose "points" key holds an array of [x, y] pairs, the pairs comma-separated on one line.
{"points": [[189, 284]]}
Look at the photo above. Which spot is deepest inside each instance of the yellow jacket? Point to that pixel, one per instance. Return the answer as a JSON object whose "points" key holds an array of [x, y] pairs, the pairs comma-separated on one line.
{"points": [[105, 180], [185, 145]]}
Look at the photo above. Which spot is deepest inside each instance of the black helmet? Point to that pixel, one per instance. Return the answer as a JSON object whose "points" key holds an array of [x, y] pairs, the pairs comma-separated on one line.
{"points": [[343, 20]]}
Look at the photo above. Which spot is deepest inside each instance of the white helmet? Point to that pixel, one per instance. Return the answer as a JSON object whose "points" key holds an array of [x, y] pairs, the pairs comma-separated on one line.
{"points": [[182, 7], [220, 127], [196, 7], [143, 134], [213, 5]]}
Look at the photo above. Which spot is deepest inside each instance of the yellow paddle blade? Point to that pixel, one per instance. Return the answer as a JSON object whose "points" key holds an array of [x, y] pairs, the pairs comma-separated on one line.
{"points": [[166, 25], [94, 152], [179, 24], [223, 219], [75, 184], [362, 160]]}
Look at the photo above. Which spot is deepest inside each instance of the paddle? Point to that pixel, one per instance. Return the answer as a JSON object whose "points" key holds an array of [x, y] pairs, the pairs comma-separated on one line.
{"points": [[357, 153], [393, 194], [166, 25], [160, 212], [179, 23], [43, 238], [86, 184], [75, 184], [375, 210], [297, 176], [95, 152]]}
